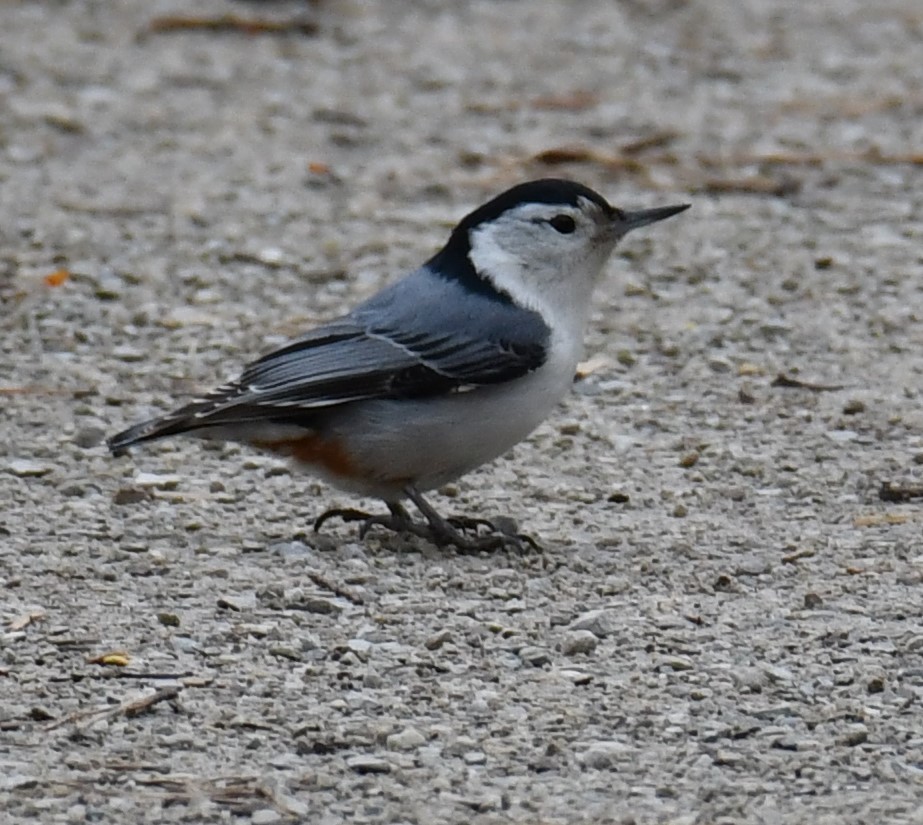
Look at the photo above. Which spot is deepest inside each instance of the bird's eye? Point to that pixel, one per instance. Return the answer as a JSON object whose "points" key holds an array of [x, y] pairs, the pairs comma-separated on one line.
{"points": [[564, 224]]}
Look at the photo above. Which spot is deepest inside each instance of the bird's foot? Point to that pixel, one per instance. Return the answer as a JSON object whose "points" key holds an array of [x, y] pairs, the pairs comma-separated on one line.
{"points": [[398, 523], [501, 532], [465, 534]]}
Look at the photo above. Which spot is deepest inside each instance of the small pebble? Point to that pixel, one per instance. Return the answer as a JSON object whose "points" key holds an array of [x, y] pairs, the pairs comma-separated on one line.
{"points": [[129, 354], [875, 685], [24, 468], [753, 564], [600, 623], [271, 256], [723, 756], [109, 287], [855, 735], [74, 490], [368, 764], [752, 679], [291, 550], [361, 647], [265, 816], [315, 604], [158, 481], [777, 674], [407, 739], [793, 742], [578, 677], [187, 316], [237, 602], [605, 755], [535, 656], [284, 652], [130, 495], [579, 641], [812, 601], [89, 436], [77, 813], [438, 640], [774, 328]]}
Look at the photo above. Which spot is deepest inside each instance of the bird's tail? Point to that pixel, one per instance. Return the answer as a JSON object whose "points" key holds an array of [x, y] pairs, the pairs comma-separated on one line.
{"points": [[166, 425]]}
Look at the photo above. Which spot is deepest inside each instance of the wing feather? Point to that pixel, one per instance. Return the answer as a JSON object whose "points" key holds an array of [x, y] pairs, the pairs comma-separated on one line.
{"points": [[390, 347]]}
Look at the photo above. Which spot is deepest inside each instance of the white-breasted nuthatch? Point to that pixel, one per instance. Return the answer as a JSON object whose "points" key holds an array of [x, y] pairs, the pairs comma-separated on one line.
{"points": [[442, 371]]}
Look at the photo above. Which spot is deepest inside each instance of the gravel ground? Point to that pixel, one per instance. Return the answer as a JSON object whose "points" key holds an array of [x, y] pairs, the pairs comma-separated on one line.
{"points": [[725, 624]]}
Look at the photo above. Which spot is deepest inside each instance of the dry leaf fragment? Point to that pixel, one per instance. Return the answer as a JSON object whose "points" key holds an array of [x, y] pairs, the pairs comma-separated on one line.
{"points": [[787, 382], [144, 704], [877, 519], [573, 102], [232, 23], [119, 658], [56, 278], [23, 621], [795, 555], [752, 185], [565, 154], [655, 140], [593, 364]]}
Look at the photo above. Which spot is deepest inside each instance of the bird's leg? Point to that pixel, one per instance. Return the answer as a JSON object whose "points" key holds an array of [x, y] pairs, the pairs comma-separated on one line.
{"points": [[441, 532], [399, 521], [501, 526], [447, 531]]}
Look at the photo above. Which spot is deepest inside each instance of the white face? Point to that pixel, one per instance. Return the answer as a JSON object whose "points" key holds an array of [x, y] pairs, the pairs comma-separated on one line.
{"points": [[548, 257]]}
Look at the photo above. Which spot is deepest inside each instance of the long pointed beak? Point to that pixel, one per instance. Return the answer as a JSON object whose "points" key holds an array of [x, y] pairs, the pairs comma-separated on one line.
{"points": [[642, 217]]}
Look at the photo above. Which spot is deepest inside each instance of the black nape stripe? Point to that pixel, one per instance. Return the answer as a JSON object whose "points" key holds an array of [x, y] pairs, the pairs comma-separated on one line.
{"points": [[453, 262]]}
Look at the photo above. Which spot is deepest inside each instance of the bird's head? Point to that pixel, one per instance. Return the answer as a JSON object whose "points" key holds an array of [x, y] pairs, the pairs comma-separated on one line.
{"points": [[545, 243]]}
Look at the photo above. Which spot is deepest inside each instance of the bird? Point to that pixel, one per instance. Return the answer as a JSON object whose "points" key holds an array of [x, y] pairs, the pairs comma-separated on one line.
{"points": [[440, 372]]}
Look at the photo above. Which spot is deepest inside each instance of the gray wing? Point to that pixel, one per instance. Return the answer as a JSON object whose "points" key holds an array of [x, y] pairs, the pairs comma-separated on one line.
{"points": [[421, 337]]}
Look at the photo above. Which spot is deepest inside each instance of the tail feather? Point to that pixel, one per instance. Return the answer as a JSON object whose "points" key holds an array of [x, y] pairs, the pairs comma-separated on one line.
{"points": [[219, 411], [162, 427]]}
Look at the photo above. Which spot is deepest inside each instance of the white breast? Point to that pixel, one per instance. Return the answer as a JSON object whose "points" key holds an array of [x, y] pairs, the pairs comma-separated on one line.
{"points": [[430, 442]]}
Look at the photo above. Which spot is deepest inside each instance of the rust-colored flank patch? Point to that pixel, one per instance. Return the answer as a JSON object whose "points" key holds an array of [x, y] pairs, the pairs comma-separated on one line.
{"points": [[313, 449]]}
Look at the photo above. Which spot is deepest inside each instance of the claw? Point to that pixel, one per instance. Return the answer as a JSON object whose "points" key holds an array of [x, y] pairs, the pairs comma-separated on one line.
{"points": [[501, 534], [346, 514], [398, 521], [470, 524], [447, 531]]}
